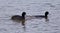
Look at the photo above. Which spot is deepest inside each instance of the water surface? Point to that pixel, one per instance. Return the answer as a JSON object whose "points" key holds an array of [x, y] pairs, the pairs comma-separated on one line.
{"points": [[8, 8]]}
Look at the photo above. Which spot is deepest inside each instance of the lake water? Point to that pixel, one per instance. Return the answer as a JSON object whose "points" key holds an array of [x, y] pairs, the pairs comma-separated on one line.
{"points": [[9, 8]]}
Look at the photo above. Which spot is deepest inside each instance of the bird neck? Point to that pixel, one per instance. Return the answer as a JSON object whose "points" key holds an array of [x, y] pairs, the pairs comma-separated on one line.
{"points": [[46, 16], [23, 16]]}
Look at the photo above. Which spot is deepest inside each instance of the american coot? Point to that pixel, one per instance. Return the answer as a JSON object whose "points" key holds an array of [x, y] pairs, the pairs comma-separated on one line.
{"points": [[43, 16], [17, 17]]}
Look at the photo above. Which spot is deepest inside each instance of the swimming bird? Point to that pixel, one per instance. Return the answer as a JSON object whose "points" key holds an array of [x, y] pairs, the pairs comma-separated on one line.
{"points": [[18, 17], [43, 16]]}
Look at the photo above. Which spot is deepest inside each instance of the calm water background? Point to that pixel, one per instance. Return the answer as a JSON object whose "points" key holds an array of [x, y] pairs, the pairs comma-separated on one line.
{"points": [[9, 8]]}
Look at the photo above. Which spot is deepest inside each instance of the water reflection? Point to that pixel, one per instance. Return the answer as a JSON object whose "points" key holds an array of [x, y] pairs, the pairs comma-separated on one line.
{"points": [[22, 23], [46, 20]]}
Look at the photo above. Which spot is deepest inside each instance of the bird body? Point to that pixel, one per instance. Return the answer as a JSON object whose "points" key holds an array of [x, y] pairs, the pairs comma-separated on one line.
{"points": [[18, 17], [43, 16]]}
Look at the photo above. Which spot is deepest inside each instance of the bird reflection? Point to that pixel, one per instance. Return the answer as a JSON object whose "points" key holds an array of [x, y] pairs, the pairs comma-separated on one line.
{"points": [[47, 20], [22, 23]]}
